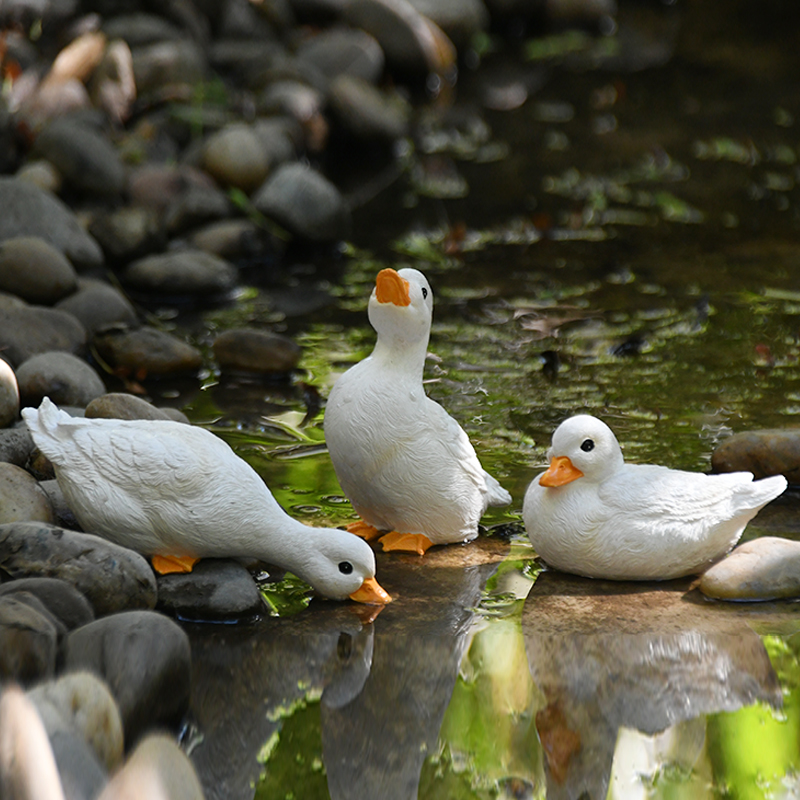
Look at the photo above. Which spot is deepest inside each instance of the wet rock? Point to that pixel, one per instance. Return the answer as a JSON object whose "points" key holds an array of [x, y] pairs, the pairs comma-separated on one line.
{"points": [[305, 203], [412, 43], [97, 305], [30, 211], [28, 642], [252, 350], [145, 659], [128, 233], [82, 703], [35, 271], [9, 395], [85, 158], [27, 767], [344, 51], [168, 63], [303, 103], [21, 497], [66, 379], [281, 138], [186, 272], [63, 516], [157, 767], [234, 157], [461, 20], [118, 405], [215, 589], [146, 351], [60, 598], [29, 330], [41, 173], [764, 452], [367, 113], [16, 445], [767, 568], [196, 206], [232, 239], [111, 577]]}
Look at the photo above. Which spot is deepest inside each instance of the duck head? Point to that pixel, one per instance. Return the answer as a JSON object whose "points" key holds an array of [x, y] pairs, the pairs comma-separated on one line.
{"points": [[401, 307], [583, 447], [341, 566]]}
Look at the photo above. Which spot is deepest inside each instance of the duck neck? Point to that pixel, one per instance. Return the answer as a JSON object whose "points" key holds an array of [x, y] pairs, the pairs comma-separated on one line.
{"points": [[401, 356]]}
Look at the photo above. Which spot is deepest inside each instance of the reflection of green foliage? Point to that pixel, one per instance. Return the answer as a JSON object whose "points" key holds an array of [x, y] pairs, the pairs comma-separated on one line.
{"points": [[294, 767], [286, 597]]}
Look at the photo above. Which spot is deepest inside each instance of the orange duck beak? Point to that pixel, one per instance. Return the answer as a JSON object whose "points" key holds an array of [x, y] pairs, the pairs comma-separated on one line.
{"points": [[391, 288], [560, 472], [371, 592]]}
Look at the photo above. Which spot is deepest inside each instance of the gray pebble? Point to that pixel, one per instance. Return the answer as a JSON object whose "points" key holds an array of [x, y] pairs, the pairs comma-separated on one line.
{"points": [[85, 157], [129, 232], [16, 444], [164, 63], [28, 642], [60, 598], [111, 577], [63, 516], [215, 589], [234, 157], [305, 203], [145, 659], [146, 351], [344, 51], [29, 330], [97, 305], [186, 272], [366, 112], [66, 379], [31, 211], [35, 270], [232, 239], [119, 405], [194, 206], [21, 497], [767, 568]]}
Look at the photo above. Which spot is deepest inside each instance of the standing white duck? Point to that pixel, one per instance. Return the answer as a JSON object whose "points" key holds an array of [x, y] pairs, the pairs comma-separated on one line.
{"points": [[405, 464], [593, 515], [179, 493]]}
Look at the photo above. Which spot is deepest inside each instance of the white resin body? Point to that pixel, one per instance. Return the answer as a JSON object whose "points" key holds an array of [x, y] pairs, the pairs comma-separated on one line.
{"points": [[636, 522], [168, 488], [405, 464]]}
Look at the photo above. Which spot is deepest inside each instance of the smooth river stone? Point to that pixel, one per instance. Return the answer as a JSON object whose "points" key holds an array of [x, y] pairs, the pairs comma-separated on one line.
{"points": [[28, 641], [35, 270], [9, 394], [60, 598], [119, 405], [145, 658], [764, 452], [21, 497], [66, 379], [767, 568], [253, 350], [146, 351], [111, 577]]}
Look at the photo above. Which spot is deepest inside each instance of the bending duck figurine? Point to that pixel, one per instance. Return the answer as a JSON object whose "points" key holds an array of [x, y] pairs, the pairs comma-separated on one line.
{"points": [[179, 493], [593, 515], [406, 465]]}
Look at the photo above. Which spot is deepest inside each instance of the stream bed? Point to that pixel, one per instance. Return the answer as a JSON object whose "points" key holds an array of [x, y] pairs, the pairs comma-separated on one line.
{"points": [[609, 225]]}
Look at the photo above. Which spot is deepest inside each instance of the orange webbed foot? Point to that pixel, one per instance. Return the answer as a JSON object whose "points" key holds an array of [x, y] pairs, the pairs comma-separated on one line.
{"points": [[363, 529], [406, 542], [164, 565]]}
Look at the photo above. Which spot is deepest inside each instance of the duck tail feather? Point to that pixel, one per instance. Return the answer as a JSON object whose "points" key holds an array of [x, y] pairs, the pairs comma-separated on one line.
{"points": [[45, 421]]}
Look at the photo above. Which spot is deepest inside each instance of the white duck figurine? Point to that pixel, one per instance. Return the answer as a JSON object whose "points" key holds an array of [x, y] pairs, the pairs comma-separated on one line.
{"points": [[594, 515], [406, 465], [179, 493]]}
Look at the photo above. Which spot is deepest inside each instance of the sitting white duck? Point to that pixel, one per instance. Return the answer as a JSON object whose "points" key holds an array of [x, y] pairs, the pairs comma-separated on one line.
{"points": [[179, 493], [593, 515], [405, 464]]}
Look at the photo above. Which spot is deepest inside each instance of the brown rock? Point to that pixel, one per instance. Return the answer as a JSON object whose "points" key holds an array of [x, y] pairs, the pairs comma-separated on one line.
{"points": [[21, 497], [764, 452], [118, 405], [146, 351], [251, 350]]}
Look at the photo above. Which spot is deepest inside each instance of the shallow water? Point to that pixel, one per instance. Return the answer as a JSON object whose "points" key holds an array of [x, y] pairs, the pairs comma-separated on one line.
{"points": [[627, 246]]}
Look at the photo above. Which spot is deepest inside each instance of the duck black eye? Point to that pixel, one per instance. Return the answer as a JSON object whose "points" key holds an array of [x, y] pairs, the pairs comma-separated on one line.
{"points": [[587, 445], [345, 567], [424, 293]]}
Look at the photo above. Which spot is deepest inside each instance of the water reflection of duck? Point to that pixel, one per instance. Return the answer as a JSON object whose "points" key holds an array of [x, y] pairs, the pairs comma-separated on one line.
{"points": [[179, 493], [405, 464], [610, 655], [594, 515]]}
